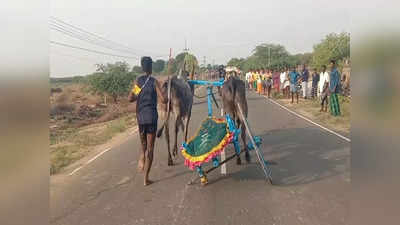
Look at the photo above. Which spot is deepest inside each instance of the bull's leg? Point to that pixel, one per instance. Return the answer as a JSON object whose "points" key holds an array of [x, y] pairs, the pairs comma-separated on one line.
{"points": [[187, 120], [175, 151], [238, 160], [170, 162]]}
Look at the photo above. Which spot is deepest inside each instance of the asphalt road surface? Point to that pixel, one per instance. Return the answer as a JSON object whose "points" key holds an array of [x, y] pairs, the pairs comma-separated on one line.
{"points": [[311, 181]]}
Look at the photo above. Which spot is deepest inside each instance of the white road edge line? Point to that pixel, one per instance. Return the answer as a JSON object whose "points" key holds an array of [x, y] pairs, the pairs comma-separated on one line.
{"points": [[74, 171], [316, 124], [95, 157]]}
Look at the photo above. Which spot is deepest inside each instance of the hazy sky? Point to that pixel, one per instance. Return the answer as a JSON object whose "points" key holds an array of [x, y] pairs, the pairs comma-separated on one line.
{"points": [[218, 30]]}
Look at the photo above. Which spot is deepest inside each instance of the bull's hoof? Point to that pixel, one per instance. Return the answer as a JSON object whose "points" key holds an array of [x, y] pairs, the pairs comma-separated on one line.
{"points": [[170, 162], [175, 152], [238, 161], [248, 157]]}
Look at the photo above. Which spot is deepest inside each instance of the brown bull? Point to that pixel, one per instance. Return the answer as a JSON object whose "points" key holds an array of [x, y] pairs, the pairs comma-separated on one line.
{"points": [[233, 94], [180, 104]]}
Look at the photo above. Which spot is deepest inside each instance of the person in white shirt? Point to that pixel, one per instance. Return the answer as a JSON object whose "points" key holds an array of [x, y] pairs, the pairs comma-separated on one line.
{"points": [[248, 75], [282, 78], [323, 77]]}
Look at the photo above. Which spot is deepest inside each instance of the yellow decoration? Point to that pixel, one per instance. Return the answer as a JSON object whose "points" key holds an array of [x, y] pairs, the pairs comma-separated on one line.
{"points": [[203, 180], [136, 89], [203, 157]]}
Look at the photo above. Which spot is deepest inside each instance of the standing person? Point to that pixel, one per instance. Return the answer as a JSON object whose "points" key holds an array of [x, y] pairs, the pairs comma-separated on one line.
{"points": [[282, 78], [286, 84], [294, 79], [263, 80], [250, 78], [324, 97], [276, 80], [269, 83], [145, 91], [323, 78], [315, 80], [259, 82], [248, 74], [255, 80], [304, 81], [334, 89]]}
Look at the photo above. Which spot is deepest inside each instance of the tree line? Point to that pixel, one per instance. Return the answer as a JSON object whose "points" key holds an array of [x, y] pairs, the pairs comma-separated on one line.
{"points": [[275, 56]]}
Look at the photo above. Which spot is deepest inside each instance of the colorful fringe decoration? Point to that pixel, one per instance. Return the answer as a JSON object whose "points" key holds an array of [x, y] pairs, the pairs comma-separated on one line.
{"points": [[209, 128]]}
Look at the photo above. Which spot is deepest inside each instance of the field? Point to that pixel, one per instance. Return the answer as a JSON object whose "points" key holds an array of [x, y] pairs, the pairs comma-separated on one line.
{"points": [[80, 121]]}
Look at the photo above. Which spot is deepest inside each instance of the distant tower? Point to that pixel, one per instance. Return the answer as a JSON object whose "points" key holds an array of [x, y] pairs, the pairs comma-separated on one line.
{"points": [[186, 49]]}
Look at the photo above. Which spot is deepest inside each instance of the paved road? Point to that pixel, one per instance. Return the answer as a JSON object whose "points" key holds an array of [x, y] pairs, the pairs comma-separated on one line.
{"points": [[312, 181]]}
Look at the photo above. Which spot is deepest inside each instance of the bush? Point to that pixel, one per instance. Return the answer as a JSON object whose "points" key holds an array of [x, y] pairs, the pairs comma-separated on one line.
{"points": [[112, 79], [55, 90], [61, 109]]}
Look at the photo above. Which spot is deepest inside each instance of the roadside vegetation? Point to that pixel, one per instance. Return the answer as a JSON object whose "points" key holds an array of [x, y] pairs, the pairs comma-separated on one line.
{"points": [[72, 144], [311, 109], [80, 120]]}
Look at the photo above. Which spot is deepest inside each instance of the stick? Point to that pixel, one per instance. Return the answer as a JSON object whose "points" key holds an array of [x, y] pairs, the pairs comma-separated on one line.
{"points": [[259, 156]]}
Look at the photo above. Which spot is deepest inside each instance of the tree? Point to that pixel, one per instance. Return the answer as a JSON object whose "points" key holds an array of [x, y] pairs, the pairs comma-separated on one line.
{"points": [[302, 58], [158, 65], [270, 55], [112, 79], [170, 68], [191, 64], [236, 62], [137, 69], [333, 46]]}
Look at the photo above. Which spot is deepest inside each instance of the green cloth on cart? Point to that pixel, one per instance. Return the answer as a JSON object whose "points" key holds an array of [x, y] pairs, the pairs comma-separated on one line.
{"points": [[210, 139], [208, 136]]}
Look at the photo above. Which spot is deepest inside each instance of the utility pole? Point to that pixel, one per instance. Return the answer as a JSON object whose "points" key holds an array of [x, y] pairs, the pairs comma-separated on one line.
{"points": [[169, 61]]}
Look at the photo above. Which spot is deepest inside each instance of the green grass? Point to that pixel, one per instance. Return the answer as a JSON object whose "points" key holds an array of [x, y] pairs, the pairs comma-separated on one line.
{"points": [[64, 156], [69, 145], [311, 109]]}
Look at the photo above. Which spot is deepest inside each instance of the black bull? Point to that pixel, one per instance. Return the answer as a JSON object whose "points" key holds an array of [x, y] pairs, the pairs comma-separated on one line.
{"points": [[233, 94], [180, 104]]}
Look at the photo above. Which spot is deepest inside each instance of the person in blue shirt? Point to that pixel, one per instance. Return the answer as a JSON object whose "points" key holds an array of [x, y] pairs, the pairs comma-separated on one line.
{"points": [[334, 89], [293, 79], [145, 92]]}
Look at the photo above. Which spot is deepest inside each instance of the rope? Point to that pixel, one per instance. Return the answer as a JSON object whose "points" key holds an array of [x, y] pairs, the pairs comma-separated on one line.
{"points": [[204, 95]]}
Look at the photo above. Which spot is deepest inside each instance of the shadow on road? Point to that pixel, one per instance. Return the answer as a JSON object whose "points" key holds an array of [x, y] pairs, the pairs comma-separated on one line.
{"points": [[304, 155], [175, 175]]}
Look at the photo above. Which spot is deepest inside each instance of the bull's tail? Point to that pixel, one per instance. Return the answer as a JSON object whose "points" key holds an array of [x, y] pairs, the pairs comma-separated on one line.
{"points": [[160, 131]]}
